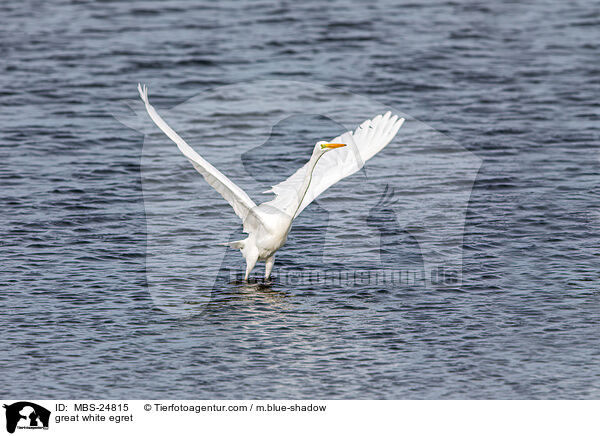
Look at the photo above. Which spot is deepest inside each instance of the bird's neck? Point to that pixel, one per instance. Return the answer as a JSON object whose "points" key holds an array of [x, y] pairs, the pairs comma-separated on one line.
{"points": [[312, 163]]}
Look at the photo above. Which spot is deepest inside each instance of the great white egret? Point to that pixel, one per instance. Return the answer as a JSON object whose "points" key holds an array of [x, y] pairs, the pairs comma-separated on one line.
{"points": [[269, 223]]}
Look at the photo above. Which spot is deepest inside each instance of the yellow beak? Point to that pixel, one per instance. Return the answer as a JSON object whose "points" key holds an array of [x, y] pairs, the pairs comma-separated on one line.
{"points": [[333, 145]]}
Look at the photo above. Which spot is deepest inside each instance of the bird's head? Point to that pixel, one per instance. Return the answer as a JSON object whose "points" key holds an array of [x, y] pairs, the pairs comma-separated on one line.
{"points": [[324, 146]]}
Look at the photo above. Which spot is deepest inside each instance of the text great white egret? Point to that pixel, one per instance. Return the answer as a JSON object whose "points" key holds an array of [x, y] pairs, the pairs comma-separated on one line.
{"points": [[269, 223]]}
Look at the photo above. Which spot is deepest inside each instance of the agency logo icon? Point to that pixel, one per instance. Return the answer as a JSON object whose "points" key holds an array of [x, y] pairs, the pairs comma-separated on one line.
{"points": [[26, 415]]}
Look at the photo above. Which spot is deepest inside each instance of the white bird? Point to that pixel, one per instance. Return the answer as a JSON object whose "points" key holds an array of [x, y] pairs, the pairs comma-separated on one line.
{"points": [[269, 223]]}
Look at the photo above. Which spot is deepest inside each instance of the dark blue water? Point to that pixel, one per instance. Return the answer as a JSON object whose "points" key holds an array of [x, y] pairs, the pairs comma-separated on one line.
{"points": [[516, 85]]}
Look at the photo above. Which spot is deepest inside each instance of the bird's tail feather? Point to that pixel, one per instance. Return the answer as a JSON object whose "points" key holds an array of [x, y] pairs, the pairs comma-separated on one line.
{"points": [[235, 244]]}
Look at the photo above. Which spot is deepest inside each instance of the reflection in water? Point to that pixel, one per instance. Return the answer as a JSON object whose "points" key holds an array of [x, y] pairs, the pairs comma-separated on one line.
{"points": [[231, 289]]}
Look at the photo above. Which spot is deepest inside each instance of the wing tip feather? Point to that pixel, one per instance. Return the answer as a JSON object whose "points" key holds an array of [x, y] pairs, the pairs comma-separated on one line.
{"points": [[143, 90]]}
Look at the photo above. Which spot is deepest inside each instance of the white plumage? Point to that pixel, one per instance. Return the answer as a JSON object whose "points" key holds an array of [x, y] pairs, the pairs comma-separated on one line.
{"points": [[269, 223], [365, 142]]}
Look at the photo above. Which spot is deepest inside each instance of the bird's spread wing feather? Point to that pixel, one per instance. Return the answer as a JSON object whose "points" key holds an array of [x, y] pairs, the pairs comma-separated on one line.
{"points": [[365, 142], [240, 201]]}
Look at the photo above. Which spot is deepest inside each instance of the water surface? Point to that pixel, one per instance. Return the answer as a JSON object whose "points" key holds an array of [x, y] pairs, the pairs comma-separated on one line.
{"points": [[514, 84]]}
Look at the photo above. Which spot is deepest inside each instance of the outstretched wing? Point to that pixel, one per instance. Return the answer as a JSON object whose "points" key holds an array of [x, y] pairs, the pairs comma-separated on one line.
{"points": [[362, 144], [235, 196]]}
